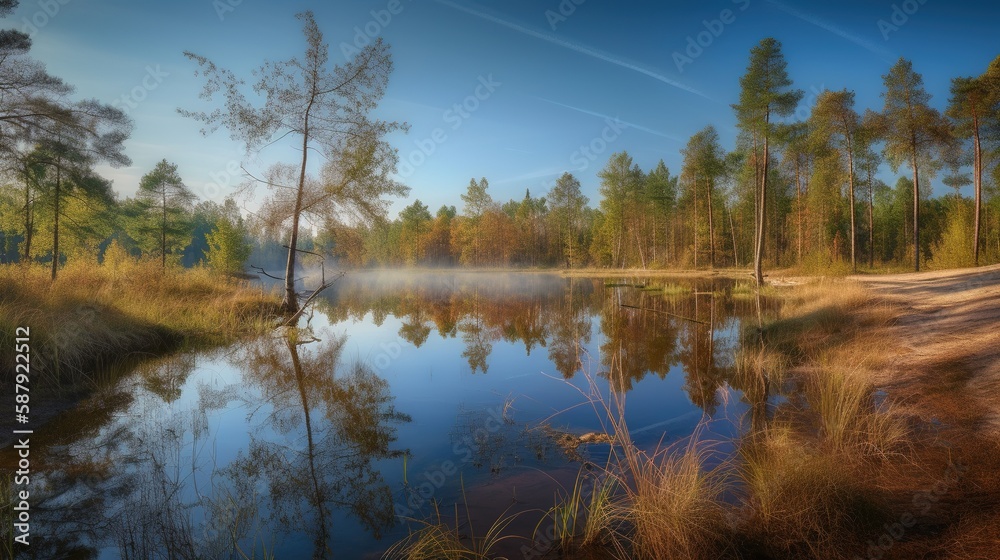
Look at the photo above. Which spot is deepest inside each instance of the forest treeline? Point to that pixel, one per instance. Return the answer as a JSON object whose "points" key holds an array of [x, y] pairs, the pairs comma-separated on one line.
{"points": [[54, 205], [804, 193], [790, 193]]}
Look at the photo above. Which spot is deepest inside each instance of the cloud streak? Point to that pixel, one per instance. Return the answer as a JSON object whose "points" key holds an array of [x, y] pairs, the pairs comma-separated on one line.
{"points": [[573, 46], [881, 52], [607, 117]]}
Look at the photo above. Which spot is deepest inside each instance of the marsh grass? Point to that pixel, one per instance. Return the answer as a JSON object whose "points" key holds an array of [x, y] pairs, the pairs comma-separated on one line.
{"points": [[673, 506], [583, 515], [439, 539], [659, 503], [93, 316], [800, 501]]}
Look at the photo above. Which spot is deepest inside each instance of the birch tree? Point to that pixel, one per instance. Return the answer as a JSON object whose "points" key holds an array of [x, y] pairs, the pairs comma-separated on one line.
{"points": [[327, 111]]}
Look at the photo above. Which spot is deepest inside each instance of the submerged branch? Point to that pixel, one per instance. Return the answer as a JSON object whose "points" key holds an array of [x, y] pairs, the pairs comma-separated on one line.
{"points": [[664, 312]]}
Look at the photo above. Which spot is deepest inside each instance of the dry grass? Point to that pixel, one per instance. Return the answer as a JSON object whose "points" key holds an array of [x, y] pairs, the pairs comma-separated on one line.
{"points": [[663, 503], [93, 316], [438, 539], [802, 502], [673, 506]]}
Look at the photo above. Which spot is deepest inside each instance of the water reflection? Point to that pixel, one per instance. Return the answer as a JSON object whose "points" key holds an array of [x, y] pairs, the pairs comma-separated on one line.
{"points": [[643, 328], [149, 481], [348, 421], [283, 444]]}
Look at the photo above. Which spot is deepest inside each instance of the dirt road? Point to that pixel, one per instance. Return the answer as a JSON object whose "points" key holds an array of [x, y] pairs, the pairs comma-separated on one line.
{"points": [[946, 379], [949, 329]]}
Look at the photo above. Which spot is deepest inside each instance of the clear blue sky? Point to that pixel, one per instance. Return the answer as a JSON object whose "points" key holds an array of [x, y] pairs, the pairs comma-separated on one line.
{"points": [[560, 78]]}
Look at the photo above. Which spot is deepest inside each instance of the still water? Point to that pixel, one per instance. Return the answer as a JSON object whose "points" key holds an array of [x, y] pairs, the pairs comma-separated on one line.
{"points": [[399, 397]]}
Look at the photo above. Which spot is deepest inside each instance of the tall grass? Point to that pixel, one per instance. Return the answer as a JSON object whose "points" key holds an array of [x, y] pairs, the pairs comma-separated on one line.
{"points": [[659, 503], [673, 505], [584, 516], [92, 315], [438, 539]]}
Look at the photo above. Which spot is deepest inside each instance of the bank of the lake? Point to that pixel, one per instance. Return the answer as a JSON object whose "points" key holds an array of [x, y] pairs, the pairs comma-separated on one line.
{"points": [[93, 318], [870, 426]]}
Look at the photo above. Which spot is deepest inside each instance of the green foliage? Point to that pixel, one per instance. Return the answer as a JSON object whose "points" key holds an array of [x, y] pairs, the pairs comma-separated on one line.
{"points": [[566, 219], [162, 221], [228, 248], [954, 249]]}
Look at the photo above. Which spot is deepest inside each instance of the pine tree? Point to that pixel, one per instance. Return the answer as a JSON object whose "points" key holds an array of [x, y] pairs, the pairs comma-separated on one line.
{"points": [[911, 130], [765, 93]]}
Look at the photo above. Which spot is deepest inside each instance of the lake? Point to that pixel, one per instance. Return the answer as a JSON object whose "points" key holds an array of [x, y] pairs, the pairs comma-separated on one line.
{"points": [[401, 397]]}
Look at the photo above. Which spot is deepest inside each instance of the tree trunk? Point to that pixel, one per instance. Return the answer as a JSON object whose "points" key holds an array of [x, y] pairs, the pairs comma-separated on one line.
{"points": [[758, 272], [798, 202], [711, 228], [732, 230], [163, 231], [871, 220], [694, 200], [916, 208], [29, 225], [291, 303], [978, 179], [850, 186], [55, 227]]}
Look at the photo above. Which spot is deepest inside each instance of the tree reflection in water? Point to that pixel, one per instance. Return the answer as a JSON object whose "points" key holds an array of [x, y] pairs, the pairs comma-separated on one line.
{"points": [[144, 482], [334, 423], [642, 330]]}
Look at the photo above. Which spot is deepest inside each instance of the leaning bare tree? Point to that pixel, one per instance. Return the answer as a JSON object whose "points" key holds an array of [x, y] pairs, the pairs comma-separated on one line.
{"points": [[328, 111]]}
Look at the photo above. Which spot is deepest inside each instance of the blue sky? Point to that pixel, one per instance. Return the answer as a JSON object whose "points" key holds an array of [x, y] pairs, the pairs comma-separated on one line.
{"points": [[562, 74]]}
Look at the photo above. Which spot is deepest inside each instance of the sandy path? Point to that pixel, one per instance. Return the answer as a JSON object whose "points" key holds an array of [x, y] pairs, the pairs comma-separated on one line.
{"points": [[949, 331]]}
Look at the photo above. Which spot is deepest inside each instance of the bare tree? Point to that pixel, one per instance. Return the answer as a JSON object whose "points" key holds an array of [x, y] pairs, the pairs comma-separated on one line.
{"points": [[328, 110]]}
